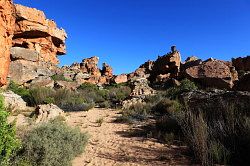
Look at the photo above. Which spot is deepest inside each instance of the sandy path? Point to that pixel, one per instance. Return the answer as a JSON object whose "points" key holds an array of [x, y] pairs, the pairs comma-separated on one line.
{"points": [[110, 146]]}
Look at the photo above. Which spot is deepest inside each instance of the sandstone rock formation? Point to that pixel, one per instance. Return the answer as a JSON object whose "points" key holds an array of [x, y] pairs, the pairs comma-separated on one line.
{"points": [[90, 66], [25, 66], [35, 32], [190, 62], [242, 63], [123, 78], [213, 73], [107, 70], [167, 65], [7, 22], [36, 43], [48, 112], [88, 71]]}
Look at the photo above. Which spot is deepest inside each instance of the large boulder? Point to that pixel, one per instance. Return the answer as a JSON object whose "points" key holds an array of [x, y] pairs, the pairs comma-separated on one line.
{"points": [[7, 22], [213, 73], [13, 101], [242, 64], [44, 113], [34, 31]]}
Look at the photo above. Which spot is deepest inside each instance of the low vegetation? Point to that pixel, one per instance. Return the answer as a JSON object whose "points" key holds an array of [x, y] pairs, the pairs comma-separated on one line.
{"points": [[214, 136], [84, 98], [9, 143], [52, 143]]}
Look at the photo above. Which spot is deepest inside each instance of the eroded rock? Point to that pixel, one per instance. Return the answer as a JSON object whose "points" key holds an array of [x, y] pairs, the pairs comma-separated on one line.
{"points": [[213, 73], [7, 22], [48, 112]]}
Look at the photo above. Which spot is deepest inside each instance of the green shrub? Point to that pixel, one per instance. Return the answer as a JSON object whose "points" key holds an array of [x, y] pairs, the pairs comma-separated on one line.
{"points": [[23, 92], [8, 141], [88, 87], [186, 85], [42, 95], [53, 143], [59, 77]]}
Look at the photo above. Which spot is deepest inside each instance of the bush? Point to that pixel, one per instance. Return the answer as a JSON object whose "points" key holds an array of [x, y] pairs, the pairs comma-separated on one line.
{"points": [[8, 141], [186, 85], [53, 143], [217, 139], [59, 77], [23, 92]]}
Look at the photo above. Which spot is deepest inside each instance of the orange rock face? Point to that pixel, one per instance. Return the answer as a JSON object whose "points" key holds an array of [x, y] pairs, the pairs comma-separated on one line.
{"points": [[213, 73], [89, 66], [7, 22], [35, 32]]}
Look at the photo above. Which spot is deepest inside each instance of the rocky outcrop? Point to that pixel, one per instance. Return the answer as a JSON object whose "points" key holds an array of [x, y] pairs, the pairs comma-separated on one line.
{"points": [[167, 65], [242, 64], [7, 22], [47, 112], [216, 102], [140, 88], [107, 70], [26, 67], [36, 43], [90, 66], [190, 62], [88, 72], [35, 32], [244, 83], [213, 73], [13, 101], [123, 78]]}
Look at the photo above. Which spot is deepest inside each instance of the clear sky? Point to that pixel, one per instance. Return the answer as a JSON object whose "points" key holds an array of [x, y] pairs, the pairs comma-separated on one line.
{"points": [[126, 33]]}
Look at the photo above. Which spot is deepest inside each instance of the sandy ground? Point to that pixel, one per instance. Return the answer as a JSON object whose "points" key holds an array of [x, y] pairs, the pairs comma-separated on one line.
{"points": [[110, 143]]}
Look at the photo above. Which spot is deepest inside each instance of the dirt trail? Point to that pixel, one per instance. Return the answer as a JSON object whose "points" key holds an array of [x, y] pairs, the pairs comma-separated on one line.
{"points": [[110, 144]]}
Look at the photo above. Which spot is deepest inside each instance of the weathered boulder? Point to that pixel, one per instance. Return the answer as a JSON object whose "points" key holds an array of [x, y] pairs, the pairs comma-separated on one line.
{"points": [[242, 63], [244, 83], [213, 73], [13, 101], [120, 79], [7, 22], [24, 54], [47, 112], [35, 32]]}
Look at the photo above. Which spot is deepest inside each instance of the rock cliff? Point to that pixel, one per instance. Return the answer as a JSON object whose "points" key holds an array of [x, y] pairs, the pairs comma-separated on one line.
{"points": [[7, 26]]}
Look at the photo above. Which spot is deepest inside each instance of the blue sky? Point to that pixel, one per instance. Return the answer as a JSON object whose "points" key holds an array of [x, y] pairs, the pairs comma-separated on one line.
{"points": [[126, 33]]}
